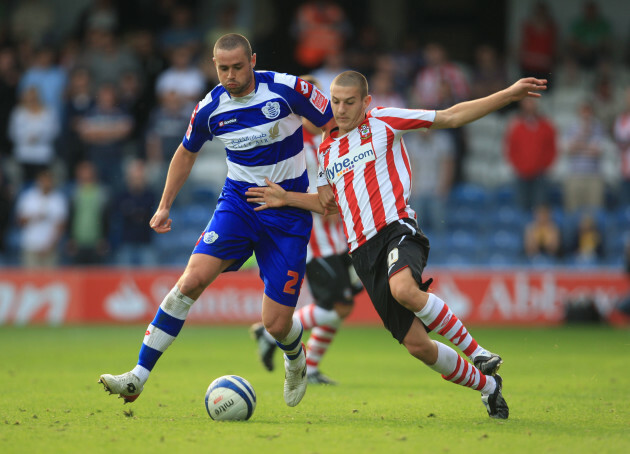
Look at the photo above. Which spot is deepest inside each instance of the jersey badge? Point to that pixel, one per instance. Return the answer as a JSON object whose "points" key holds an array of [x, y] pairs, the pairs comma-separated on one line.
{"points": [[364, 131], [210, 237], [319, 100], [271, 110]]}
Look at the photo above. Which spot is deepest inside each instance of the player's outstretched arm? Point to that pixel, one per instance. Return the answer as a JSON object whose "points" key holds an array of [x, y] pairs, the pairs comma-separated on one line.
{"points": [[274, 196], [178, 171], [469, 111]]}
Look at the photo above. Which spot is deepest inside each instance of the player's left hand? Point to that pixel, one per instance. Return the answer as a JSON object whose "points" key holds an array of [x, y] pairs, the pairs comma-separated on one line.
{"points": [[527, 87], [272, 196]]}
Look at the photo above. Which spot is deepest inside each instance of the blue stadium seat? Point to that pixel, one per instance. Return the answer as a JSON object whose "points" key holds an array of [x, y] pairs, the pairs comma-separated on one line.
{"points": [[469, 195]]}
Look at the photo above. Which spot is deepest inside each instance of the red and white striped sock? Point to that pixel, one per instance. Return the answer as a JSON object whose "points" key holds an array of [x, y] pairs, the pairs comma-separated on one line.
{"points": [[437, 316], [324, 324], [457, 370], [313, 315], [317, 345]]}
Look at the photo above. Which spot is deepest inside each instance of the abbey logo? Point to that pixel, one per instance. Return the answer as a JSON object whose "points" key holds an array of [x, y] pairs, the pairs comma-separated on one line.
{"points": [[274, 131]]}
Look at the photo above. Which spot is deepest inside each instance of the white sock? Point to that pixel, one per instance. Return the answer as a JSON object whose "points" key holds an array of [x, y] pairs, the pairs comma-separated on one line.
{"points": [[292, 343]]}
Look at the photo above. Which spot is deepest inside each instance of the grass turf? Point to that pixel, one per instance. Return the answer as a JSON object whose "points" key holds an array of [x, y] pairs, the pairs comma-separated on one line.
{"points": [[568, 389]]}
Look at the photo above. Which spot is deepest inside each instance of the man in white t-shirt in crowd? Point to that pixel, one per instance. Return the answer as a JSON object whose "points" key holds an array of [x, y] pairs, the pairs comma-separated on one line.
{"points": [[42, 212], [364, 172]]}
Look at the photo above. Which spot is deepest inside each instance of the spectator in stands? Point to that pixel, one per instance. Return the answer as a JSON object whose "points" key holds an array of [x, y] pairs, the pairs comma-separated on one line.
{"points": [[87, 242], [542, 235], [438, 70], [362, 49], [489, 74], [131, 100], [227, 22], [134, 208], [588, 246], [6, 208], [334, 63], [321, 28], [164, 134], [538, 43], [621, 133], [48, 77], [383, 93], [97, 14], [584, 183], [606, 101], [32, 21], [182, 77], [105, 58], [432, 155], [591, 36], [79, 101], [41, 212], [9, 78], [33, 128], [105, 129], [530, 148], [181, 32]]}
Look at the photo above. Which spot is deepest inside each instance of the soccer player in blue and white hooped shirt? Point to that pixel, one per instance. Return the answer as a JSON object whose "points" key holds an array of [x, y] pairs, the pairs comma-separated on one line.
{"points": [[257, 115]]}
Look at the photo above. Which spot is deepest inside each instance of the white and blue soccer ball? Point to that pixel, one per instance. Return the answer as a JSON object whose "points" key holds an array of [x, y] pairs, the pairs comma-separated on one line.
{"points": [[230, 398]]}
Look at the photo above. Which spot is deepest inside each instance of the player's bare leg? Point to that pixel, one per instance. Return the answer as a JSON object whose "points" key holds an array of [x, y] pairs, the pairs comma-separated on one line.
{"points": [[200, 272], [280, 322]]}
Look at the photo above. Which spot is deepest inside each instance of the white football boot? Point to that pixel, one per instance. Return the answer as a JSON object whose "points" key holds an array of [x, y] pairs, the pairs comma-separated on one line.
{"points": [[127, 385], [295, 379]]}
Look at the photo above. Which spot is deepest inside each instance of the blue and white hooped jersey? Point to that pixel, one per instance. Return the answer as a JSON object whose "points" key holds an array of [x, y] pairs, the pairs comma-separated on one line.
{"points": [[262, 134]]}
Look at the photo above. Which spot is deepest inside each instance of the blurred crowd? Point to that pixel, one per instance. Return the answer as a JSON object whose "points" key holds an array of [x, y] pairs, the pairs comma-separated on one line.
{"points": [[89, 120]]}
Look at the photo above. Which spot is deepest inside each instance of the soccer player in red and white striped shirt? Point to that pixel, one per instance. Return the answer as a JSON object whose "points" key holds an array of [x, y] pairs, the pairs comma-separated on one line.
{"points": [[329, 273], [365, 169]]}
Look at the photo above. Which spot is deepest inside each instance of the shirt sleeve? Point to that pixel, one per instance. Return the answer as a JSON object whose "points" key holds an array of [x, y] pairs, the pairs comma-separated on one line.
{"points": [[321, 171], [197, 134], [309, 102], [404, 119]]}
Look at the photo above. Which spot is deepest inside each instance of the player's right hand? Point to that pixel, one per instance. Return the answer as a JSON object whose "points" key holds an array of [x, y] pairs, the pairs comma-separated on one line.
{"points": [[160, 222]]}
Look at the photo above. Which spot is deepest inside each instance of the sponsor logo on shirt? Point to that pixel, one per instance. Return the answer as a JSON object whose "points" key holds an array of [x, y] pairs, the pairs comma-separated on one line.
{"points": [[304, 87], [210, 237], [319, 100], [271, 110], [227, 122], [274, 131], [348, 162]]}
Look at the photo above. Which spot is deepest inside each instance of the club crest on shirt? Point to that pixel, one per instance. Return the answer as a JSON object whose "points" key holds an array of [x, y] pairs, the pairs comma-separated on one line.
{"points": [[271, 110], [364, 131], [210, 237]]}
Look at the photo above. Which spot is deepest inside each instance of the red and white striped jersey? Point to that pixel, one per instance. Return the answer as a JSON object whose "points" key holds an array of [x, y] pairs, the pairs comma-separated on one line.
{"points": [[368, 169], [327, 237]]}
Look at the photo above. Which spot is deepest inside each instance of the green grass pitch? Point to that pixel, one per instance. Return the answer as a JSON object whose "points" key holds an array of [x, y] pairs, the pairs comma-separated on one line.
{"points": [[568, 389]]}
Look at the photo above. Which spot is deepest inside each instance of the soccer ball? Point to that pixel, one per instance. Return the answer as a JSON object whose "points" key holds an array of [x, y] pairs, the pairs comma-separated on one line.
{"points": [[230, 398]]}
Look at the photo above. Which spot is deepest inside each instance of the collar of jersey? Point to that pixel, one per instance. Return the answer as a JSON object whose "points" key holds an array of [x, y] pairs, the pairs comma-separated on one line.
{"points": [[247, 98]]}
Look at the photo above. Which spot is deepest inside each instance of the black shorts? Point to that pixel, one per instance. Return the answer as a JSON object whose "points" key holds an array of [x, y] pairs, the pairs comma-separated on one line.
{"points": [[330, 280], [399, 245]]}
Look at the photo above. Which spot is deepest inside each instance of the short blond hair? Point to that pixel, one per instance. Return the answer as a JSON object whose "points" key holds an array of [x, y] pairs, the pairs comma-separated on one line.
{"points": [[352, 79]]}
